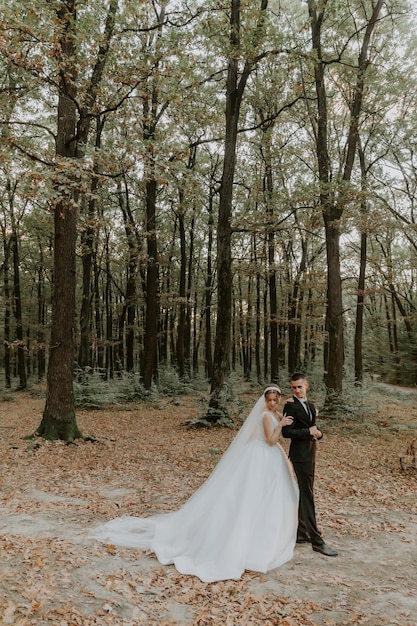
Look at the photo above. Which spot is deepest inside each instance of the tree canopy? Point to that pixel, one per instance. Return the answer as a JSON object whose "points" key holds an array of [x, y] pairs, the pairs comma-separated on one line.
{"points": [[234, 184]]}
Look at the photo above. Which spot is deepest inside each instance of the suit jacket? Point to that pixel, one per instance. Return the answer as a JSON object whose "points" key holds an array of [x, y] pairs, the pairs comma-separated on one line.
{"points": [[303, 445]]}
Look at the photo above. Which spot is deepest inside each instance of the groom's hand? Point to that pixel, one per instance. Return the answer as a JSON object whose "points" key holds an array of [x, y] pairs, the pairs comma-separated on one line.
{"points": [[315, 432]]}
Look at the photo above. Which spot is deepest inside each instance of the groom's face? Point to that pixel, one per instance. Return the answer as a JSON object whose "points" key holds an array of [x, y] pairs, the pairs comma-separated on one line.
{"points": [[299, 388]]}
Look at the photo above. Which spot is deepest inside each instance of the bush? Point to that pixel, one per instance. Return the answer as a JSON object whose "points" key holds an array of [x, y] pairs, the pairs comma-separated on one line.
{"points": [[92, 390]]}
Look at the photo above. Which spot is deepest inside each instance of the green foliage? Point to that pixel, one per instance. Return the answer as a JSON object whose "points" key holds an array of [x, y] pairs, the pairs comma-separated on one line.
{"points": [[170, 384], [337, 407], [7, 396], [92, 390], [212, 417]]}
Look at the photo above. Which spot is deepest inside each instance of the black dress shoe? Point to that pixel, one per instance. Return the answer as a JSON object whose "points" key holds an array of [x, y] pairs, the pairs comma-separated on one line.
{"points": [[324, 549]]}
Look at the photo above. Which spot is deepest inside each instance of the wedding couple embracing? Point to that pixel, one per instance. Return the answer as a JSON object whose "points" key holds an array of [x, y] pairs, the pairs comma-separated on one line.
{"points": [[253, 508]]}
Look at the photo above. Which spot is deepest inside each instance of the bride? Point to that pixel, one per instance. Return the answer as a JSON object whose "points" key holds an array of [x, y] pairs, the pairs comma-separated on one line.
{"points": [[244, 516]]}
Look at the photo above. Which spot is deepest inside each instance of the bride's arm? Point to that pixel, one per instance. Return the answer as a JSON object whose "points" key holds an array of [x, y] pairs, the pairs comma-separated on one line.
{"points": [[271, 431]]}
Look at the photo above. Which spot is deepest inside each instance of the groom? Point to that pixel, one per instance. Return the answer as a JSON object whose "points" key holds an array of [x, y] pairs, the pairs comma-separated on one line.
{"points": [[304, 434]]}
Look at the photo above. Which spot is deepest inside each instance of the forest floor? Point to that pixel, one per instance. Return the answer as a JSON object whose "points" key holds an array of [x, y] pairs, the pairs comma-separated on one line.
{"points": [[144, 460]]}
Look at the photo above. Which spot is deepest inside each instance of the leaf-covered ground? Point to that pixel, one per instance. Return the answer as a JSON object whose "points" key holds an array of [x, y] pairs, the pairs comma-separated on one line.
{"points": [[145, 461]]}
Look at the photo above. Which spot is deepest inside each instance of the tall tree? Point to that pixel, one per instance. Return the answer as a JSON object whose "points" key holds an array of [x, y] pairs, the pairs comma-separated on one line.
{"points": [[362, 272], [88, 238], [268, 188], [235, 86], [59, 419], [7, 307], [332, 199], [134, 249], [151, 115], [17, 298]]}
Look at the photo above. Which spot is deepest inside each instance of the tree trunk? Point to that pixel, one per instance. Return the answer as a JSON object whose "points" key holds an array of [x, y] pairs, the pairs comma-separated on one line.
{"points": [[151, 116], [396, 300], [188, 349], [40, 350], [152, 309], [59, 421], [87, 241], [109, 362], [88, 236], [119, 352], [197, 333], [389, 326], [240, 323], [258, 328], [180, 351], [273, 309], [234, 93], [362, 276], [98, 313], [334, 352], [266, 329], [165, 313], [222, 345], [312, 330], [334, 356], [268, 184], [233, 337], [132, 271], [17, 297], [7, 310], [248, 330], [208, 292], [183, 352], [394, 330], [332, 210], [295, 311]]}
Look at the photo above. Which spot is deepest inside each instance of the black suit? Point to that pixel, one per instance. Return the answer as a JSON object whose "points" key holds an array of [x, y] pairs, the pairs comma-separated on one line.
{"points": [[302, 454]]}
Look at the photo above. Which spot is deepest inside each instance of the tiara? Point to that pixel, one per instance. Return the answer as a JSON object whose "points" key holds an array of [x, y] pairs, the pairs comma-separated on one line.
{"points": [[268, 389]]}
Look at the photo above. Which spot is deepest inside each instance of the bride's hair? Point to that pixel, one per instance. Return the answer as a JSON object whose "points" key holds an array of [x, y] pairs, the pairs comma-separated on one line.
{"points": [[272, 389]]}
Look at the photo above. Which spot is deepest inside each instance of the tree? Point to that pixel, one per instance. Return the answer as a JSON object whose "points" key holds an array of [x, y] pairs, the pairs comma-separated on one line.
{"points": [[59, 419], [333, 198], [88, 239], [235, 87]]}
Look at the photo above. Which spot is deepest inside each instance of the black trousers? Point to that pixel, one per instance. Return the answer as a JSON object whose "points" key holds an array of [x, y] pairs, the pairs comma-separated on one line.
{"points": [[307, 526]]}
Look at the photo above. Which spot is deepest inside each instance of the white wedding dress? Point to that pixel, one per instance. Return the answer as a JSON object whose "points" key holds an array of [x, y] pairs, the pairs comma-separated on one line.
{"points": [[244, 516]]}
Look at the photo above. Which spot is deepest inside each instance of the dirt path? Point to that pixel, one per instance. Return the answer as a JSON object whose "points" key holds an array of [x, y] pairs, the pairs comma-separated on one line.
{"points": [[50, 573], [373, 581]]}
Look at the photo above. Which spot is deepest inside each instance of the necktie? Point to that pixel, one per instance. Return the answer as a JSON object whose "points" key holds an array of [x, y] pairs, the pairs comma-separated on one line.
{"points": [[307, 408]]}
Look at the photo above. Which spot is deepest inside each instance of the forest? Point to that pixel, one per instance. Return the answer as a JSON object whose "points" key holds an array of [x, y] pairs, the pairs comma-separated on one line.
{"points": [[206, 189]]}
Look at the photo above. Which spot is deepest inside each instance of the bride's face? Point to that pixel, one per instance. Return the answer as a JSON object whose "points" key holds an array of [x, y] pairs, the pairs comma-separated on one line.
{"points": [[272, 400]]}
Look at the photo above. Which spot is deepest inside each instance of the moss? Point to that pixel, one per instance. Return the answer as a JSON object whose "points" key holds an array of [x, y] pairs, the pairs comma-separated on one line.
{"points": [[63, 427]]}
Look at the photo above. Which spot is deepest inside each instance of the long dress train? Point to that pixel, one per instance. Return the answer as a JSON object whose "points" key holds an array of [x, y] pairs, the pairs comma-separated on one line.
{"points": [[244, 516]]}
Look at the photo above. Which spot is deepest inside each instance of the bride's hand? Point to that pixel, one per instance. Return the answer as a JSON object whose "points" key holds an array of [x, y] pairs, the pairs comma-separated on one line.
{"points": [[287, 420]]}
